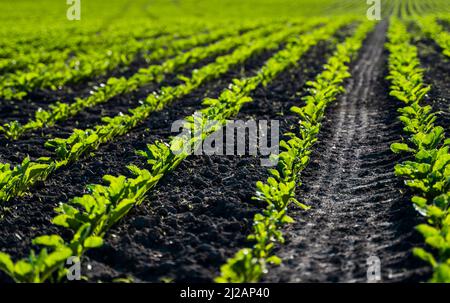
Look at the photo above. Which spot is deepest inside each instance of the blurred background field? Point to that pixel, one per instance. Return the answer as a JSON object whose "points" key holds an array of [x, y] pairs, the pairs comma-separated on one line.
{"points": [[23, 16]]}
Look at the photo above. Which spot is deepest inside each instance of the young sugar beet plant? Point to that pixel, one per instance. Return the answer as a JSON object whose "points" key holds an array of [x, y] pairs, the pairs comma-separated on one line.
{"points": [[82, 142], [435, 31], [15, 181], [42, 68], [116, 86], [198, 40], [95, 62], [427, 173], [250, 264], [89, 217], [47, 51], [22, 56], [40, 46]]}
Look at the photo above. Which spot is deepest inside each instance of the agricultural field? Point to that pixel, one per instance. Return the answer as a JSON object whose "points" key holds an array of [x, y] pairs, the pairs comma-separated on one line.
{"points": [[117, 163]]}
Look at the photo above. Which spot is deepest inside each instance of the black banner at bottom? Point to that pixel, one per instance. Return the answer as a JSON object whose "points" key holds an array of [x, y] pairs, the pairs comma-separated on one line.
{"points": [[222, 292]]}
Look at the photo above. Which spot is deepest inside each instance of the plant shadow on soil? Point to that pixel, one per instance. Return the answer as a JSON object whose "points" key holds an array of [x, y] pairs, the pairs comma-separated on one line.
{"points": [[200, 214], [359, 208], [29, 216], [32, 143], [197, 217], [437, 74], [22, 110]]}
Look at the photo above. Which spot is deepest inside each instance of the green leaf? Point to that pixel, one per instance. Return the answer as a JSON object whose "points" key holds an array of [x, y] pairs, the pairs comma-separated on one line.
{"points": [[424, 255], [58, 257], [6, 263], [49, 240], [120, 210], [22, 268], [301, 205], [297, 110], [287, 220], [419, 201], [275, 173], [400, 147], [427, 230], [93, 242], [441, 274], [61, 220], [274, 260], [442, 201]]}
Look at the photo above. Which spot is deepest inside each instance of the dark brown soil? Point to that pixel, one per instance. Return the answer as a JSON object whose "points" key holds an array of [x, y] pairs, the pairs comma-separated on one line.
{"points": [[32, 144], [23, 110], [437, 74], [445, 24], [199, 215], [32, 213], [359, 208]]}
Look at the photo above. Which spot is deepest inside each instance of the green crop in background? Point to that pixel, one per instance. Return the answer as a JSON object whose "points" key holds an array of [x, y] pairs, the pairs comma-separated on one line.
{"points": [[30, 15]]}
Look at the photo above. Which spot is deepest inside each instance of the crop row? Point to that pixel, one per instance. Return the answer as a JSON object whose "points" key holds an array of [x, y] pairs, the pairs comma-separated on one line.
{"points": [[93, 62], [15, 181], [407, 8], [89, 217], [154, 73], [278, 192], [48, 51], [81, 39], [427, 173], [435, 31], [13, 43]]}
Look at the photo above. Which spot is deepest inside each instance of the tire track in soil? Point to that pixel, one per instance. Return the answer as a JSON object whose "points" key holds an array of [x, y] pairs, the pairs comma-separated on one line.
{"points": [[200, 214], [358, 209], [148, 235]]}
